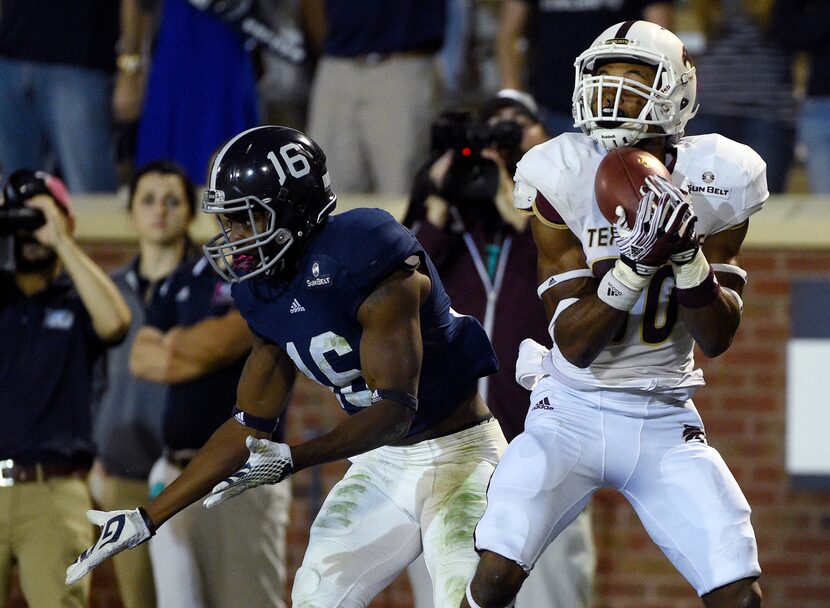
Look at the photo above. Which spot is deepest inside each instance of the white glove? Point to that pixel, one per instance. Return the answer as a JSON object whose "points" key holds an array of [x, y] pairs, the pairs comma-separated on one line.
{"points": [[269, 463], [119, 530]]}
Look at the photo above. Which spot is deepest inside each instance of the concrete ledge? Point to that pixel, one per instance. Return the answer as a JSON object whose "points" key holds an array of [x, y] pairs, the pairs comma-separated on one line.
{"points": [[786, 222]]}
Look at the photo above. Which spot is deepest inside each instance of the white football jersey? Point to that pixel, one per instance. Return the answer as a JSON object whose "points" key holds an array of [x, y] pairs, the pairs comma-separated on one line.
{"points": [[654, 350]]}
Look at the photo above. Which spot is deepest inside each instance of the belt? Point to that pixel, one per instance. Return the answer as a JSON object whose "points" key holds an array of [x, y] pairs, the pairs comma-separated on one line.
{"points": [[179, 458], [373, 59], [12, 472]]}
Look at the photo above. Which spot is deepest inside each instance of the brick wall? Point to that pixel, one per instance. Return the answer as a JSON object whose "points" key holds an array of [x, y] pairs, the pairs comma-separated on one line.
{"points": [[743, 407]]}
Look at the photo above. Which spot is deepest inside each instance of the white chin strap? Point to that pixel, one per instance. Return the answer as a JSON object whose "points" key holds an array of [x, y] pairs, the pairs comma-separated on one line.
{"points": [[617, 138]]}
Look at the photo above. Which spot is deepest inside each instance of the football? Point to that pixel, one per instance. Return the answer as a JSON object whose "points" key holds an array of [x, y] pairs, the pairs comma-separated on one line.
{"points": [[619, 178]]}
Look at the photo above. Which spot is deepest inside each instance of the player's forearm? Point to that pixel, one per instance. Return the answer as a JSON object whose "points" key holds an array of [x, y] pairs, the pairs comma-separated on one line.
{"points": [[583, 330], [381, 424], [224, 453], [713, 326]]}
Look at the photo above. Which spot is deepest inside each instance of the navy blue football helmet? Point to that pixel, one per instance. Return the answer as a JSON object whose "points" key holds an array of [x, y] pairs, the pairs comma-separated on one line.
{"points": [[275, 180]]}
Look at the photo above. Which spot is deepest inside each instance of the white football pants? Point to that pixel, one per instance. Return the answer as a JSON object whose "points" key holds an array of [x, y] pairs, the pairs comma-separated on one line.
{"points": [[392, 504], [652, 450]]}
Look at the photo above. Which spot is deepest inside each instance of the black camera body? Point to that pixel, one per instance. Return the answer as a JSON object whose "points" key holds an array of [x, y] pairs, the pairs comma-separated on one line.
{"points": [[14, 214], [16, 219], [457, 131], [471, 177]]}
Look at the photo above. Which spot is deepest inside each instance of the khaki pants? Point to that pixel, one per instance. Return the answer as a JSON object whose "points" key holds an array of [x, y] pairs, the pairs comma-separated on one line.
{"points": [[373, 121], [132, 568], [43, 528]]}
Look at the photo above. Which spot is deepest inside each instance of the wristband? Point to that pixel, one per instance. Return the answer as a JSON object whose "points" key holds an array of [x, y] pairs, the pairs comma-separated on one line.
{"points": [[700, 295], [266, 425], [692, 273], [616, 293], [405, 399], [151, 527], [628, 277], [129, 63]]}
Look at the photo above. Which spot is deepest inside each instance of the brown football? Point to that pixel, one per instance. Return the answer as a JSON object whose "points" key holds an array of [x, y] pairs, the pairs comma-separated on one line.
{"points": [[619, 178]]}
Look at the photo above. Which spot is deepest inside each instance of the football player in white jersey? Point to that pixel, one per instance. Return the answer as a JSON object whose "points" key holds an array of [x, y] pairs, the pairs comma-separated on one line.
{"points": [[611, 402]]}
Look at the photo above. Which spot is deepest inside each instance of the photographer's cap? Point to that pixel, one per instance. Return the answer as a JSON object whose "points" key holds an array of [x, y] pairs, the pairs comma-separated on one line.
{"points": [[520, 100]]}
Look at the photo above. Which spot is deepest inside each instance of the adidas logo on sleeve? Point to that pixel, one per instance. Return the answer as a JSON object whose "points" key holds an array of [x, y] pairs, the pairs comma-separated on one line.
{"points": [[296, 307]]}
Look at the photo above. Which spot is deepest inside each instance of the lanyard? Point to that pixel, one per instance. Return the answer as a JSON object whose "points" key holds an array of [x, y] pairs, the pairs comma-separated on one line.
{"points": [[492, 287]]}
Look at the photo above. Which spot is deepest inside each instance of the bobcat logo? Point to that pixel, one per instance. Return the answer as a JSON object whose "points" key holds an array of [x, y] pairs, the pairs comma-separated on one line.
{"points": [[694, 433]]}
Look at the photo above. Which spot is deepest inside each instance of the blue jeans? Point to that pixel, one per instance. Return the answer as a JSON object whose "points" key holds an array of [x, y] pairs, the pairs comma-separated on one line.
{"points": [[774, 140], [57, 118], [814, 133], [453, 56]]}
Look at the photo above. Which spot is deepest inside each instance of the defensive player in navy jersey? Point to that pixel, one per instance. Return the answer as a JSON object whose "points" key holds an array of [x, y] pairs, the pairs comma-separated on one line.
{"points": [[353, 302]]}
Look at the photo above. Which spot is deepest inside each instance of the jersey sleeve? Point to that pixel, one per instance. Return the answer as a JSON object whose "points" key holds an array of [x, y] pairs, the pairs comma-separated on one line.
{"points": [[547, 176], [382, 245], [756, 193]]}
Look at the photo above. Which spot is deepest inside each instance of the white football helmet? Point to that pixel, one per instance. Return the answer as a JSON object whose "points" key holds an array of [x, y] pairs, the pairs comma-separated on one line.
{"points": [[670, 100]]}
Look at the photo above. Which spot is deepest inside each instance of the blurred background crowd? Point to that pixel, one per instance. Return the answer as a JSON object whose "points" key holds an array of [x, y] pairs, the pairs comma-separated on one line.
{"points": [[93, 89]]}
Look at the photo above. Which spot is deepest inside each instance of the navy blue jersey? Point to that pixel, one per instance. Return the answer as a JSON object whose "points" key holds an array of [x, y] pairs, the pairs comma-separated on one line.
{"points": [[314, 316]]}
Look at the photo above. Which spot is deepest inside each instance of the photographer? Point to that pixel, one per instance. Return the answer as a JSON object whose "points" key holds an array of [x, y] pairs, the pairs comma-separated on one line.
{"points": [[462, 212], [53, 326]]}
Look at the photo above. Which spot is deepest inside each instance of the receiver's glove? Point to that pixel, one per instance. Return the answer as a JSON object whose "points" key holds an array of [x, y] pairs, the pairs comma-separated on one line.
{"points": [[681, 235], [647, 245], [269, 463], [119, 530]]}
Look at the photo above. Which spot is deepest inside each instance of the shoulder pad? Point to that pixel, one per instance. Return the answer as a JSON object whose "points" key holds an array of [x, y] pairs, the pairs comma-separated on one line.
{"points": [[557, 171], [724, 174]]}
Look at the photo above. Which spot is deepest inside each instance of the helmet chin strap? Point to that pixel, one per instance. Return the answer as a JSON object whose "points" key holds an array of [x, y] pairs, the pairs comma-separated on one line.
{"points": [[617, 137]]}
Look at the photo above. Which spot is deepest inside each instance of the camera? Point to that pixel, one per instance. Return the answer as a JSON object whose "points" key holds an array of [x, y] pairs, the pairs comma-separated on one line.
{"points": [[471, 177], [13, 220], [16, 219], [15, 216], [457, 131]]}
